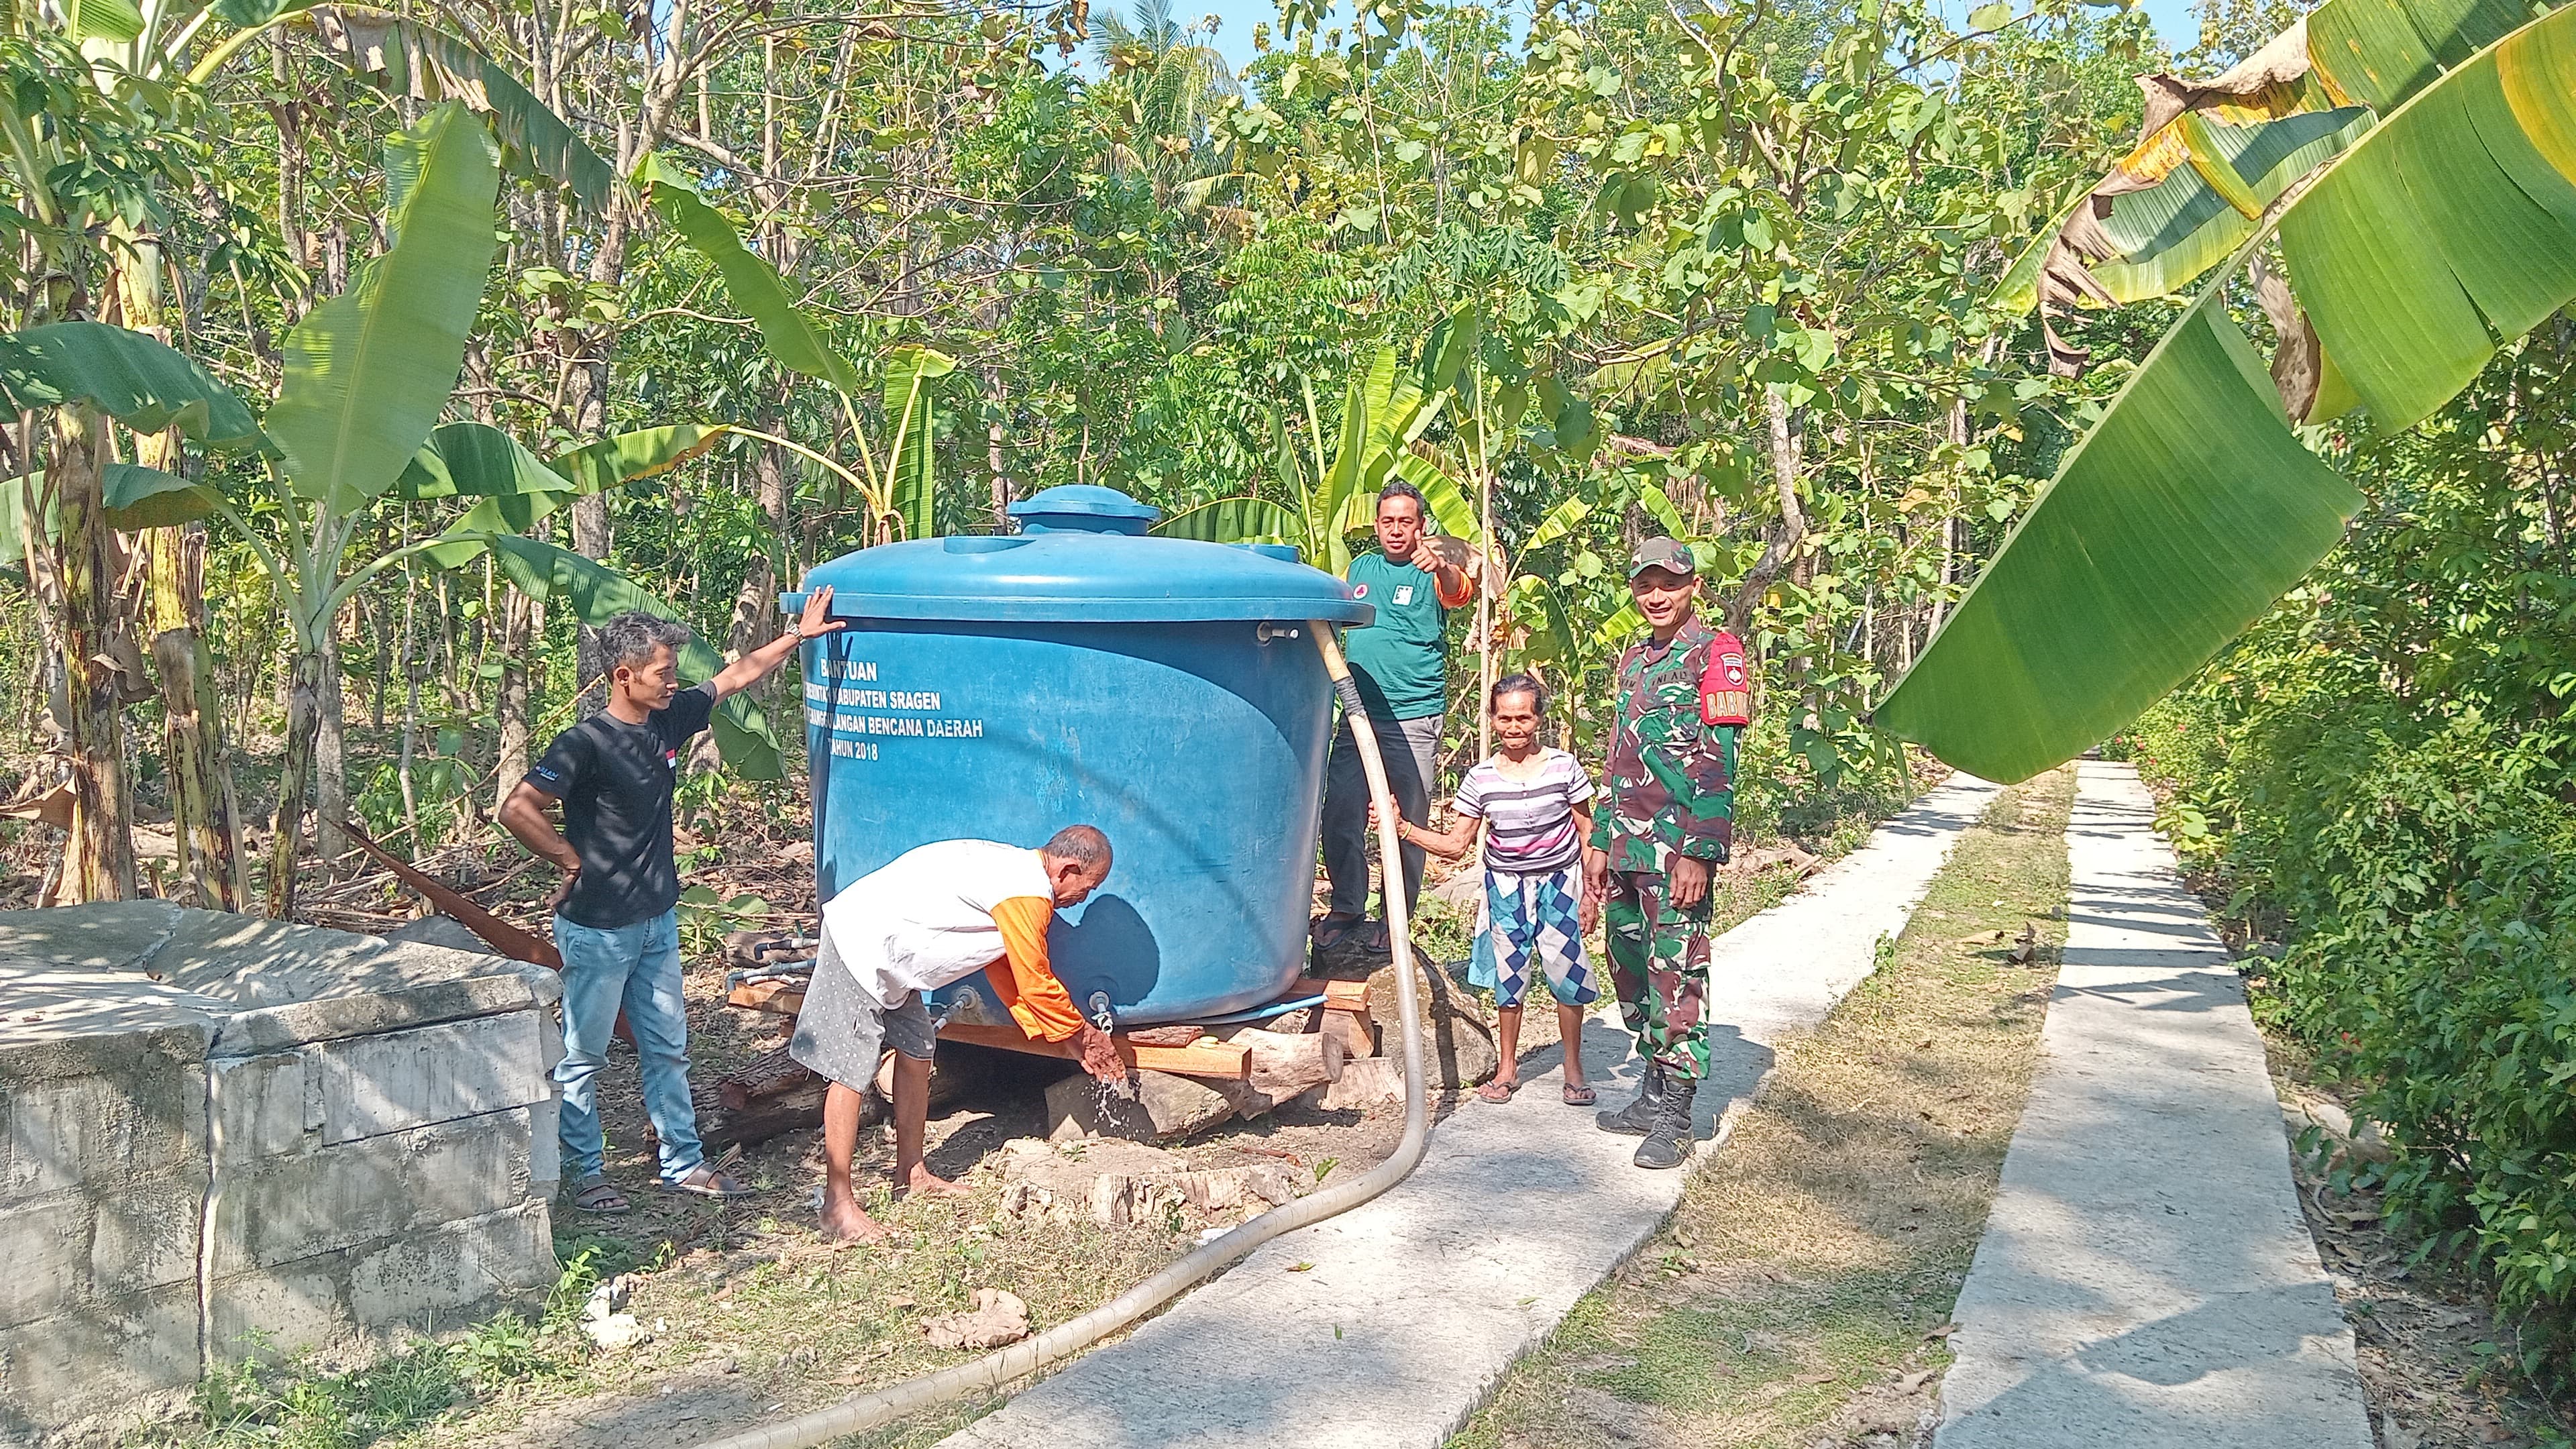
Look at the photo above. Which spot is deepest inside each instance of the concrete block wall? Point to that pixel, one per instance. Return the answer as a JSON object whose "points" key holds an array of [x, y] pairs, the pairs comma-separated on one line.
{"points": [[222, 1137], [102, 1186]]}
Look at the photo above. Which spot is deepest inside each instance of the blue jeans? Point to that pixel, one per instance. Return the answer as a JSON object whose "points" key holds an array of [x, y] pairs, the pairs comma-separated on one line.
{"points": [[636, 967]]}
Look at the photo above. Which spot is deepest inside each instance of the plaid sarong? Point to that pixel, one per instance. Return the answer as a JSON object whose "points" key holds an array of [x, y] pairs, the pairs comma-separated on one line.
{"points": [[1535, 920]]}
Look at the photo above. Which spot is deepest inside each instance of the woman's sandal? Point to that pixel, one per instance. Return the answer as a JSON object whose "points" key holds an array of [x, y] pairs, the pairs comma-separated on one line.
{"points": [[602, 1198], [709, 1182], [1580, 1096], [1498, 1092]]}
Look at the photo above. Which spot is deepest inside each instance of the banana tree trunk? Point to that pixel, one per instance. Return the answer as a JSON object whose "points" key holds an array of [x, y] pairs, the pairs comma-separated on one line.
{"points": [[102, 843], [294, 776], [330, 757], [205, 818]]}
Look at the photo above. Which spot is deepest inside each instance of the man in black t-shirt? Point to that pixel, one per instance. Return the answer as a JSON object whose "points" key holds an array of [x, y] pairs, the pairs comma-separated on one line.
{"points": [[616, 921]]}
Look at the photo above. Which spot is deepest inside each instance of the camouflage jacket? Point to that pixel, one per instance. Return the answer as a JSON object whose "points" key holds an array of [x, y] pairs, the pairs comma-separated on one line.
{"points": [[1671, 776]]}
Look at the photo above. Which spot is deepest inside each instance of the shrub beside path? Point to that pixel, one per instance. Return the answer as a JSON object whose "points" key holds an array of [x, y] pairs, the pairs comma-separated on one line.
{"points": [[2145, 1275], [1388, 1325]]}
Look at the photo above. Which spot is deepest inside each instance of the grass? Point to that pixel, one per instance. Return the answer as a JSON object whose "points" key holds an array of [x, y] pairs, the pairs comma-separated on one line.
{"points": [[1797, 1294]]}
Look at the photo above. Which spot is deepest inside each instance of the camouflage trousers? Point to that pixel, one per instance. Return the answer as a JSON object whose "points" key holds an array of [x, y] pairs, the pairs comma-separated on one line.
{"points": [[1659, 968]]}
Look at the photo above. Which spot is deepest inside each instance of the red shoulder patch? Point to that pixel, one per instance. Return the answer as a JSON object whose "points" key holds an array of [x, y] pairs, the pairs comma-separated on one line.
{"points": [[1726, 685]]}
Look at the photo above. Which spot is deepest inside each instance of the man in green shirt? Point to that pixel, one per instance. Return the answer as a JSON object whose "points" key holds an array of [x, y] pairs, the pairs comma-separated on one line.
{"points": [[1401, 664]]}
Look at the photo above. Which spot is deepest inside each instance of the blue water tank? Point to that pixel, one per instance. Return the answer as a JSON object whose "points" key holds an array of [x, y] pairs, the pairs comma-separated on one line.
{"points": [[1165, 690]]}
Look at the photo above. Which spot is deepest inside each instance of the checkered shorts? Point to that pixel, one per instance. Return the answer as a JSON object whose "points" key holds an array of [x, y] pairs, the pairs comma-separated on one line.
{"points": [[1536, 921]]}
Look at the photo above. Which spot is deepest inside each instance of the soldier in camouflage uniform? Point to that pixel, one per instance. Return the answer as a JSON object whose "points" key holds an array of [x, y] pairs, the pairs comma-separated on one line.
{"points": [[1667, 820]]}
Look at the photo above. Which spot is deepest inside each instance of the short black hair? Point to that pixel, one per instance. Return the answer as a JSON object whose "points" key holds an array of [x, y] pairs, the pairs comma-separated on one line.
{"points": [[1520, 684], [1084, 845], [1401, 489], [628, 640]]}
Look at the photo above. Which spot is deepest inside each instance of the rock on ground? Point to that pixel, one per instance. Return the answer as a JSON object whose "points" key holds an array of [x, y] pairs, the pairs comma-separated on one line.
{"points": [[1457, 1040]]}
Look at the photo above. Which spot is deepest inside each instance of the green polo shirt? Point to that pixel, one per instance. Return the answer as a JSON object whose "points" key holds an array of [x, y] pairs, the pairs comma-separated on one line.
{"points": [[1401, 661]]}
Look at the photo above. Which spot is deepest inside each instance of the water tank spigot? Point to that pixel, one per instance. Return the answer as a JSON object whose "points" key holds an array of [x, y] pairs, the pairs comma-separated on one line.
{"points": [[1103, 1015], [1266, 632]]}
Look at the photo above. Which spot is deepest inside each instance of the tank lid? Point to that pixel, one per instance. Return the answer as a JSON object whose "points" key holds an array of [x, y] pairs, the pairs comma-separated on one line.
{"points": [[1079, 573], [1083, 508]]}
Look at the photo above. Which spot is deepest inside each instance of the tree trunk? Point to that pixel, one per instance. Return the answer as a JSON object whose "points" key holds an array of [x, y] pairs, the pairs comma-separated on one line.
{"points": [[205, 819], [511, 709], [1789, 529], [755, 607], [1485, 604], [93, 732], [294, 776], [994, 458]]}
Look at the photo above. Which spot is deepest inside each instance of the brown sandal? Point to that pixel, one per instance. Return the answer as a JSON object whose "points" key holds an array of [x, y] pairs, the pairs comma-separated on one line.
{"points": [[602, 1197], [1508, 1090], [1580, 1096], [709, 1182]]}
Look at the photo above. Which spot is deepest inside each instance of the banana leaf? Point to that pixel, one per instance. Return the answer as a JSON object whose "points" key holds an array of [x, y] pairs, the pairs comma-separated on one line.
{"points": [[410, 58], [1450, 509], [117, 21], [138, 498], [597, 467], [2170, 527], [475, 460], [2213, 153], [2170, 235], [515, 491], [749, 279], [369, 371], [1235, 520], [135, 498], [597, 593], [1564, 517], [140, 382], [2450, 227], [910, 373]]}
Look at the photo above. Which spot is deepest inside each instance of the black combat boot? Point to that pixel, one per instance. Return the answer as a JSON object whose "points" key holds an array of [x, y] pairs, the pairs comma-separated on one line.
{"points": [[1638, 1117], [1669, 1140]]}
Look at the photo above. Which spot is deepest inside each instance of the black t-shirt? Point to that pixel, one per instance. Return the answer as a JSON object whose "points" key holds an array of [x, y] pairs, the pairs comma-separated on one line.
{"points": [[614, 780]]}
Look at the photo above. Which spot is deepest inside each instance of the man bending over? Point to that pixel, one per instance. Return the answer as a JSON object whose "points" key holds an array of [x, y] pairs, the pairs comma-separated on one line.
{"points": [[935, 914]]}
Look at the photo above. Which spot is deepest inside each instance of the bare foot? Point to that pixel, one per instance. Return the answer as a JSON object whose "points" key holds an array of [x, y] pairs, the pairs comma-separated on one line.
{"points": [[929, 1184], [845, 1223]]}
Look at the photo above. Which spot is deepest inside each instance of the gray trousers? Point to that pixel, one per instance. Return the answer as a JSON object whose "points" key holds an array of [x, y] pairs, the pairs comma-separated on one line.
{"points": [[1411, 749]]}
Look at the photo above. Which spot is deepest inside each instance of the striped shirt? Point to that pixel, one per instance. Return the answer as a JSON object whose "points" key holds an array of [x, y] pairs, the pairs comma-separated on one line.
{"points": [[1529, 823]]}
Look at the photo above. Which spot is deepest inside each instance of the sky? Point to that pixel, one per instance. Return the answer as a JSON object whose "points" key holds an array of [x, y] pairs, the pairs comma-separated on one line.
{"points": [[1237, 17]]}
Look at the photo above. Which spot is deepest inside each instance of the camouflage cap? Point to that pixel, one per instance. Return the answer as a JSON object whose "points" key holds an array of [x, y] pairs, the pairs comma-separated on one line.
{"points": [[1663, 553]]}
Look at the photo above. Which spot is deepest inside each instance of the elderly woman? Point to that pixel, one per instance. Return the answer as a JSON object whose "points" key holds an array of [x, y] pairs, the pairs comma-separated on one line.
{"points": [[1532, 805]]}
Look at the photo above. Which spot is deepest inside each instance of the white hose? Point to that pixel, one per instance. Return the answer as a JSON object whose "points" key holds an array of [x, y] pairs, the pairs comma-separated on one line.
{"points": [[989, 1373]]}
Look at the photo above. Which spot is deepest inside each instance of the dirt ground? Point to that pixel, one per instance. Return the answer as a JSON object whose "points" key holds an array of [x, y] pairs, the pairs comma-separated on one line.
{"points": [[2437, 1367]]}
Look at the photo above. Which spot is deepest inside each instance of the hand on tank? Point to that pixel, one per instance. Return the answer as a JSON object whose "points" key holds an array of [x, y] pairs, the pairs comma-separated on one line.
{"points": [[1689, 883], [817, 619], [1099, 1055]]}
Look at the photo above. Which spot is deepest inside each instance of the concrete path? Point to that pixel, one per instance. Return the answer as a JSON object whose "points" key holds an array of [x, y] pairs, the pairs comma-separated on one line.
{"points": [[1416, 1303], [2145, 1276]]}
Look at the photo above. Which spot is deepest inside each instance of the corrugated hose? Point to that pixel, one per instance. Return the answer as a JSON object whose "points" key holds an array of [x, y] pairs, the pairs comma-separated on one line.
{"points": [[989, 1373]]}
